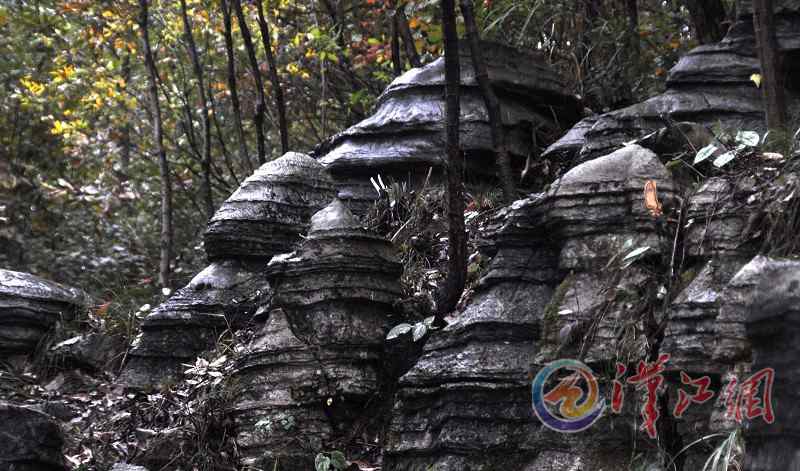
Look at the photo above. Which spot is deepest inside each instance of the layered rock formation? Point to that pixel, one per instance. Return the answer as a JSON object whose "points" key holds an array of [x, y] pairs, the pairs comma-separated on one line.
{"points": [[317, 361], [773, 325], [403, 138], [265, 216], [269, 211], [466, 403], [30, 307], [31, 440], [710, 85], [221, 297]]}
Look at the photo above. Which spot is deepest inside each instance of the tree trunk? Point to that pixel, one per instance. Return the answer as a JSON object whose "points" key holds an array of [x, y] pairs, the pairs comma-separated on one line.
{"points": [[708, 18], [490, 100], [237, 110], [397, 65], [198, 72], [771, 67], [258, 119], [125, 133], [457, 246], [408, 38], [163, 165], [587, 14], [277, 91], [632, 7]]}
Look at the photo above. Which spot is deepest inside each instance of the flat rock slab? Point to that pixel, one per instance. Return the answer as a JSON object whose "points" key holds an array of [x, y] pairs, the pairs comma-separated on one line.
{"points": [[30, 306], [29, 440]]}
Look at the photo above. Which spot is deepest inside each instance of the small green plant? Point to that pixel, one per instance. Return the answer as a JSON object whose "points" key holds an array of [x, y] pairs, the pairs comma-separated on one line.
{"points": [[285, 422], [330, 460], [417, 330], [727, 456]]}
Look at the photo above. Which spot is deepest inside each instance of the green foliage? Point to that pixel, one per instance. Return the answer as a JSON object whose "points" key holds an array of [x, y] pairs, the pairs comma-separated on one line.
{"points": [[74, 125], [551, 310], [330, 461], [727, 455]]}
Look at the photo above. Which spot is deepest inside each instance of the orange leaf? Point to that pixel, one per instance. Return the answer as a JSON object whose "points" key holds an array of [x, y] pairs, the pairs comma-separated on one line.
{"points": [[102, 309], [651, 199]]}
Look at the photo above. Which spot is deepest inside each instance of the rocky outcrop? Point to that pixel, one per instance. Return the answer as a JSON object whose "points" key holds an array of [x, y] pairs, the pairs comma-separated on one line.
{"points": [[710, 85], [30, 307], [404, 136], [223, 296], [317, 360], [466, 403], [264, 217], [29, 440], [772, 328], [93, 352], [270, 210], [598, 211]]}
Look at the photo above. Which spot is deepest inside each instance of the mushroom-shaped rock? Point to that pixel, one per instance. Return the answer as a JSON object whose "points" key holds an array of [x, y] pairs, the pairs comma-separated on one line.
{"points": [[30, 306], [710, 85], [692, 327], [279, 411], [332, 305], [31, 440], [224, 295], [342, 280], [772, 328], [270, 210], [466, 403], [598, 210], [403, 138]]}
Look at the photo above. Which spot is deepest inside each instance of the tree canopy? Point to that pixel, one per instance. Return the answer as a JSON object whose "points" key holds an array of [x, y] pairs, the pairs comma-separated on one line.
{"points": [[75, 116]]}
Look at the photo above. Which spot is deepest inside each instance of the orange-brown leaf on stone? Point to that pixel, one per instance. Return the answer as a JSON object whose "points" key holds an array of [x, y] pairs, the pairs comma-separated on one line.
{"points": [[651, 199], [102, 309]]}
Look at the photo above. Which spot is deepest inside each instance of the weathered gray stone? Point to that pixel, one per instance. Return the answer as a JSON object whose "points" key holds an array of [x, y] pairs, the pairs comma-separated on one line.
{"points": [[404, 137], [127, 467], [94, 351], [716, 218], [692, 325], [29, 440], [710, 85], [30, 307], [772, 328], [317, 361], [270, 210], [466, 403], [223, 296]]}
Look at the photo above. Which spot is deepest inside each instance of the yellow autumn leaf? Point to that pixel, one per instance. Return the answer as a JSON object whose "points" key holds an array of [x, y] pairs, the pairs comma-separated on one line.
{"points": [[59, 127], [756, 78], [63, 74], [32, 86], [108, 14], [298, 38]]}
